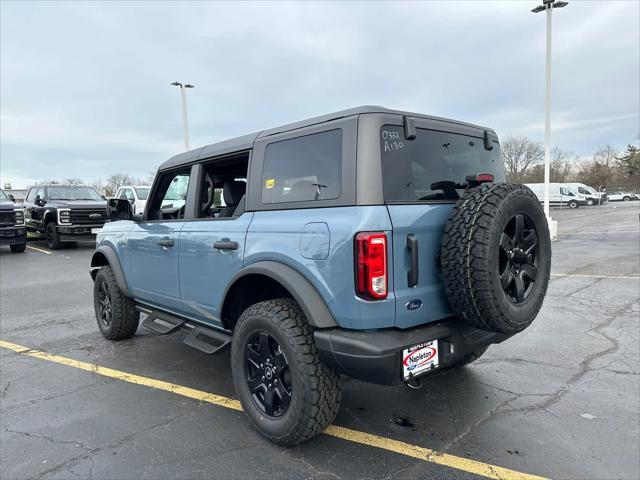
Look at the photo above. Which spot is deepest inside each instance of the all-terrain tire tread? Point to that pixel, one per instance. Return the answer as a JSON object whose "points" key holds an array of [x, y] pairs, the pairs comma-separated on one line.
{"points": [[322, 393], [466, 265], [125, 316]]}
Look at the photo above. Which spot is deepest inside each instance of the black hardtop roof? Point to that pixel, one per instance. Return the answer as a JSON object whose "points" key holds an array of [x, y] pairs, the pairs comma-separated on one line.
{"points": [[245, 142]]}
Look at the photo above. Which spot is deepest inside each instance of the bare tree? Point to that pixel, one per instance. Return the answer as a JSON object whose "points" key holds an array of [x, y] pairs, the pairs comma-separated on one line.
{"points": [[561, 166], [73, 181], [519, 154], [116, 181], [600, 170]]}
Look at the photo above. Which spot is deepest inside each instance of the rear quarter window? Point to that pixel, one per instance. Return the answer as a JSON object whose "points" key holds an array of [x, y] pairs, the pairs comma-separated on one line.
{"points": [[303, 169], [419, 169]]}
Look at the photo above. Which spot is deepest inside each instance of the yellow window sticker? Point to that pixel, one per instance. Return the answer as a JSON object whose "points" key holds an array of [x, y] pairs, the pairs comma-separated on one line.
{"points": [[270, 183]]}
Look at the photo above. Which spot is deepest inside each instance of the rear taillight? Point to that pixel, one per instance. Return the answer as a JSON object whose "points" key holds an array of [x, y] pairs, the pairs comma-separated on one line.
{"points": [[371, 265], [484, 177]]}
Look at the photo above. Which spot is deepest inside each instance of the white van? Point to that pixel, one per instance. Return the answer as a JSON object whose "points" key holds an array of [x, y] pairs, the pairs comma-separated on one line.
{"points": [[593, 196], [560, 194]]}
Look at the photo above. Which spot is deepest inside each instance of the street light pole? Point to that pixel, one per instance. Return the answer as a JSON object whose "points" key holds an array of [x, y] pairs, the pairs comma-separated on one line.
{"points": [[185, 125], [548, 6], [547, 119]]}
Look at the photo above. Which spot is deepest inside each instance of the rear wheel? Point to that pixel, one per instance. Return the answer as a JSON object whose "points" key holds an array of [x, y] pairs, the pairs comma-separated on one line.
{"points": [[53, 237], [116, 314], [289, 395], [18, 247], [496, 257]]}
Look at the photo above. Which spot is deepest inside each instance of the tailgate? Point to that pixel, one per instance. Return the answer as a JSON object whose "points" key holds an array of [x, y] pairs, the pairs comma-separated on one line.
{"points": [[422, 227]]}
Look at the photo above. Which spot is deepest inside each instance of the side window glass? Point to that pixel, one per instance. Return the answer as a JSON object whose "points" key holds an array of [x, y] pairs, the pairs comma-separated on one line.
{"points": [[222, 192], [122, 195], [129, 195], [31, 196], [303, 169], [40, 193], [170, 197]]}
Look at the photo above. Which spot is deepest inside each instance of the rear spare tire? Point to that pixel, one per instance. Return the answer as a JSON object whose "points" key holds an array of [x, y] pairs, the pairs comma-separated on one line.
{"points": [[496, 257]]}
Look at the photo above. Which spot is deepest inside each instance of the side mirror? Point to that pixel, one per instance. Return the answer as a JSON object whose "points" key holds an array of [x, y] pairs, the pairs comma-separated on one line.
{"points": [[39, 201], [12, 198], [119, 209]]}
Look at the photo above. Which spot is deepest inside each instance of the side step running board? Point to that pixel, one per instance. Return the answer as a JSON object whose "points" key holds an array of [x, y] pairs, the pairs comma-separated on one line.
{"points": [[207, 340], [161, 322]]}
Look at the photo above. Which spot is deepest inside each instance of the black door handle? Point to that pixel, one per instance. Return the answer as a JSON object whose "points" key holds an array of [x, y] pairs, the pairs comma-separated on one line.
{"points": [[166, 242], [412, 274], [225, 245]]}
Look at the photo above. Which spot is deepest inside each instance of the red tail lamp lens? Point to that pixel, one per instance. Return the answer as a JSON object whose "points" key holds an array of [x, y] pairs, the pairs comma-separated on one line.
{"points": [[371, 265], [484, 177]]}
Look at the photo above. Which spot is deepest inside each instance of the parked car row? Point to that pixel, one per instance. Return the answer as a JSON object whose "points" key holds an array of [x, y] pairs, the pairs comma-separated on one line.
{"points": [[574, 195], [623, 196]]}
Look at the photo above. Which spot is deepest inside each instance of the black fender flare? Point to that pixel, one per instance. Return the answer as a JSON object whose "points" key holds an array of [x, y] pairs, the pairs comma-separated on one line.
{"points": [[49, 215], [109, 254], [312, 304]]}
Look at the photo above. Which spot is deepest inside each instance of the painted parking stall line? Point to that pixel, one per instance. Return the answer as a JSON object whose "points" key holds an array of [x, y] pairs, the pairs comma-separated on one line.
{"points": [[627, 277], [354, 436], [39, 250]]}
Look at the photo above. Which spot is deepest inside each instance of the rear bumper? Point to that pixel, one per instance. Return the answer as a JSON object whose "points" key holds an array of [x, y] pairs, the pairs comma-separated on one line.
{"points": [[375, 355], [13, 235]]}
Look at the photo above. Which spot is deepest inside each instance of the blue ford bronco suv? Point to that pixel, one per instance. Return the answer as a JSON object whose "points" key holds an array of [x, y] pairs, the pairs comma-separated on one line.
{"points": [[377, 244]]}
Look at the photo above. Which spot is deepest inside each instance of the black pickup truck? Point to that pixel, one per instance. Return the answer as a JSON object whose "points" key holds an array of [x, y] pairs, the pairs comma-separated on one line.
{"points": [[12, 229], [65, 213]]}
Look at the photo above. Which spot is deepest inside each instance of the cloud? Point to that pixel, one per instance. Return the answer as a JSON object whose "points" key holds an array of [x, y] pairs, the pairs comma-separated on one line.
{"points": [[85, 86]]}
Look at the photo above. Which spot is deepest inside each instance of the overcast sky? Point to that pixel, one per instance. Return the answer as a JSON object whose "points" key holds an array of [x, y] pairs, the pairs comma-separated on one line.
{"points": [[85, 86]]}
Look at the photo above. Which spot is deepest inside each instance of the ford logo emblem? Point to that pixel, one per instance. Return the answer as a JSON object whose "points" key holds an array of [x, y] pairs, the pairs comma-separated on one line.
{"points": [[413, 304], [95, 215]]}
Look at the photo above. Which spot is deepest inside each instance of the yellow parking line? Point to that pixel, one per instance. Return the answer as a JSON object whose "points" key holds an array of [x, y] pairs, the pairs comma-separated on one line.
{"points": [[40, 250], [593, 276], [355, 436]]}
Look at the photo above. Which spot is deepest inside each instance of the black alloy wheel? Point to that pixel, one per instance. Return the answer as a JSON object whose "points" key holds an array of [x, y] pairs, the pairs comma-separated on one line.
{"points": [[105, 308], [267, 374], [518, 258]]}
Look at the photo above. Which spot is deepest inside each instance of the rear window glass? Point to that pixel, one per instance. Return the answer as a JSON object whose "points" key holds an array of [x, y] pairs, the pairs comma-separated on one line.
{"points": [[303, 169], [430, 166]]}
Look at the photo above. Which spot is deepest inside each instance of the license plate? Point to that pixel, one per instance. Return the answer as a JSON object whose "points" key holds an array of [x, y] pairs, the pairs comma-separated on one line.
{"points": [[95, 231], [420, 358]]}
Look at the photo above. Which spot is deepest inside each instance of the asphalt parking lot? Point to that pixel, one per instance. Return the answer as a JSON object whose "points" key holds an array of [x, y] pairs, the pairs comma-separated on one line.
{"points": [[560, 400]]}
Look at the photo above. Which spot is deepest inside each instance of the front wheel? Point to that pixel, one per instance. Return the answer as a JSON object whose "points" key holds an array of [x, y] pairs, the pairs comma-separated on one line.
{"points": [[18, 247], [573, 204], [53, 237], [289, 395], [116, 314], [590, 202], [626, 199]]}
